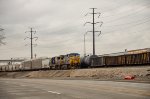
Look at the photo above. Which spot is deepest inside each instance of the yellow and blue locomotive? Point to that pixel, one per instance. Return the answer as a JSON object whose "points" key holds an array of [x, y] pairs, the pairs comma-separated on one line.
{"points": [[68, 61]]}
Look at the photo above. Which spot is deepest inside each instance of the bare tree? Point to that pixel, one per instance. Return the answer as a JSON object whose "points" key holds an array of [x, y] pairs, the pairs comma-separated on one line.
{"points": [[2, 37]]}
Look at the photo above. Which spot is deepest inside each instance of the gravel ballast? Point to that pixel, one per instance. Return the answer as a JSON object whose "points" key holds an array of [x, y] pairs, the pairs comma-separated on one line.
{"points": [[141, 73]]}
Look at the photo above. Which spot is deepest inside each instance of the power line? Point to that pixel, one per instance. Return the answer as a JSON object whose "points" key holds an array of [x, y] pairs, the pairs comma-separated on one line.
{"points": [[129, 27], [119, 8], [138, 21], [127, 15]]}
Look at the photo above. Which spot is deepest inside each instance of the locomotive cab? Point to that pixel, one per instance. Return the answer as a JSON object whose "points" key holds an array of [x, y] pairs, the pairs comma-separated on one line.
{"points": [[72, 60]]}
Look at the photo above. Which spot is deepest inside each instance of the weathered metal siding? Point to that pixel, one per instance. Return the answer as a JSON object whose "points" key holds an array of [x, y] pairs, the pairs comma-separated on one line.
{"points": [[45, 63], [98, 61], [26, 65], [129, 59], [16, 67], [37, 64], [114, 60], [142, 58]]}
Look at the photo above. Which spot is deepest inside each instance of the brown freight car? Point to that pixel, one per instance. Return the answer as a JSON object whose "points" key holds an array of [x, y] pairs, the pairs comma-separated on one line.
{"points": [[138, 59], [114, 60], [128, 59]]}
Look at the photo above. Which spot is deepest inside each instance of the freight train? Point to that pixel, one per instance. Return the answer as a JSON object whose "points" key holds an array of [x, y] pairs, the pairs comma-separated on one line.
{"points": [[119, 60], [74, 61], [68, 61]]}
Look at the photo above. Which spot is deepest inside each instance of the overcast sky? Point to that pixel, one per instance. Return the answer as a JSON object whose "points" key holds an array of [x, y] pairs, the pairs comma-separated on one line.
{"points": [[59, 26]]}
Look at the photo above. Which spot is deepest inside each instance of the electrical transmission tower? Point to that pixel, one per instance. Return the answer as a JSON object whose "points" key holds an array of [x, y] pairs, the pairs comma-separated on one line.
{"points": [[93, 23], [31, 38]]}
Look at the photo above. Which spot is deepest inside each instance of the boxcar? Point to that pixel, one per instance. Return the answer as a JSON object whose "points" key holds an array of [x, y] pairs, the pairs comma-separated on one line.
{"points": [[26, 65], [138, 59], [114, 60], [36, 64], [16, 67], [46, 63], [10, 67]]}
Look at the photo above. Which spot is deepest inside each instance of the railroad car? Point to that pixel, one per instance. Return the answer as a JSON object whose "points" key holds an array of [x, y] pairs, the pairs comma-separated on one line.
{"points": [[65, 61], [73, 60], [33, 64], [26, 65], [116, 60], [16, 67], [11, 68], [46, 63], [7, 68], [52, 63], [62, 62], [68, 61], [59, 62], [98, 61], [55, 62], [2, 68], [138, 59], [89, 61], [36, 64]]}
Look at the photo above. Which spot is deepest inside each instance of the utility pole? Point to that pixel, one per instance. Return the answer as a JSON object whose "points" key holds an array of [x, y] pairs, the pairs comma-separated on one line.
{"points": [[93, 23], [93, 34], [31, 39]]}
